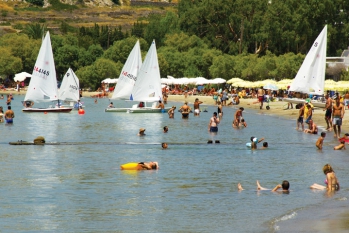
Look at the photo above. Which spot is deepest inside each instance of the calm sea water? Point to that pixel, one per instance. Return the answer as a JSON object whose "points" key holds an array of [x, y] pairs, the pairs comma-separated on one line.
{"points": [[80, 188]]}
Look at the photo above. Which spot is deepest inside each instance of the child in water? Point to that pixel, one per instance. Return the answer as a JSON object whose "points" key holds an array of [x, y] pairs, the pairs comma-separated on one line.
{"points": [[320, 140]]}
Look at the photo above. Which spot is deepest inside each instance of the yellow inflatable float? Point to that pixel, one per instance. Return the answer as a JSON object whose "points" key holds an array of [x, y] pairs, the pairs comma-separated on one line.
{"points": [[129, 166]]}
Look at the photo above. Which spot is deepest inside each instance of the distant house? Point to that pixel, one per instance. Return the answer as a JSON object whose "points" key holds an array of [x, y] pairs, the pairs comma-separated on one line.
{"points": [[342, 61]]}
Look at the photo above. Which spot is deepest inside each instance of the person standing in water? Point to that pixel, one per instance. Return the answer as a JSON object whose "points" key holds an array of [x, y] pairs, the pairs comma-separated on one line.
{"points": [[213, 124], [171, 112], [220, 110], [197, 107], [337, 116], [185, 109], [328, 113], [9, 115]]}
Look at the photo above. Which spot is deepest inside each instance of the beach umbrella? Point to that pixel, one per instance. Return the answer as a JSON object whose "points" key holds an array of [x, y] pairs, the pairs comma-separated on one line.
{"points": [[218, 81], [21, 76], [343, 86], [201, 81], [164, 80], [110, 80], [234, 80], [283, 84], [271, 86]]}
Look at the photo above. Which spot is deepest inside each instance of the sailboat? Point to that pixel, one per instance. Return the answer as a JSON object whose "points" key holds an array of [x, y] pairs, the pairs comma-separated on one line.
{"points": [[127, 78], [69, 90], [310, 78], [43, 83], [148, 85]]}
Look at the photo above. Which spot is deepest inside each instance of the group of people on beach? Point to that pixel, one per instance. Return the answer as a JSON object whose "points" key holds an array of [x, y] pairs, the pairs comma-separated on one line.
{"points": [[334, 113]]}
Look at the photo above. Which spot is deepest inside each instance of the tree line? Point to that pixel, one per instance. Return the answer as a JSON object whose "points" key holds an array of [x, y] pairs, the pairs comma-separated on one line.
{"points": [[250, 39]]}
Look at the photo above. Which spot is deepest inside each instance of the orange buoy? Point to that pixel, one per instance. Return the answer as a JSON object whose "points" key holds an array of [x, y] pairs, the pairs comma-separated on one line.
{"points": [[81, 111], [45, 112]]}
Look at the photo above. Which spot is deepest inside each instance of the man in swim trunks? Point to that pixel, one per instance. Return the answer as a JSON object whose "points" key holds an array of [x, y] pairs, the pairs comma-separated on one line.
{"points": [[260, 96], [197, 107], [337, 116], [214, 121], [328, 114], [300, 117], [312, 128], [148, 166], [185, 109], [9, 115]]}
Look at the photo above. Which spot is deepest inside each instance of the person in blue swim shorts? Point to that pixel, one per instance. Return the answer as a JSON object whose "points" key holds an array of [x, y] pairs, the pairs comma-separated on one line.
{"points": [[213, 124]]}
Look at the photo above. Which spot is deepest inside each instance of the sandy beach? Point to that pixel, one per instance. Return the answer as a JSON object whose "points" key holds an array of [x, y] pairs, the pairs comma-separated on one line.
{"points": [[278, 108]]}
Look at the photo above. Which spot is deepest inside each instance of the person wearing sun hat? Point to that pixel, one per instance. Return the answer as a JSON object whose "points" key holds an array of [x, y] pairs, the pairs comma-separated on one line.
{"points": [[141, 132]]}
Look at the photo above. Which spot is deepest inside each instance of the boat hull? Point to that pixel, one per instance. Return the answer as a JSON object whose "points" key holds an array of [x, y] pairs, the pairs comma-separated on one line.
{"points": [[137, 110], [57, 110], [317, 104]]}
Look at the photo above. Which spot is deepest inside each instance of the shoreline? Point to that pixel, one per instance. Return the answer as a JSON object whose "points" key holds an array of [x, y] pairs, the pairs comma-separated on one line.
{"points": [[277, 108]]}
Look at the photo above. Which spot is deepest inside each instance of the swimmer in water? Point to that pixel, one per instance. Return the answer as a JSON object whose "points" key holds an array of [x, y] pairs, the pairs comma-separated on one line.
{"points": [[320, 141], [284, 186], [331, 181], [164, 145], [148, 166]]}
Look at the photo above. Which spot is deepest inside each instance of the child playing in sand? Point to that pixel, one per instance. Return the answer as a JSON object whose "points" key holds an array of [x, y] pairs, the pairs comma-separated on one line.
{"points": [[320, 140]]}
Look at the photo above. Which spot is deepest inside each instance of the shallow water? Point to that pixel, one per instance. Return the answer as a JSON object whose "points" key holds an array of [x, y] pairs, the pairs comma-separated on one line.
{"points": [[80, 188]]}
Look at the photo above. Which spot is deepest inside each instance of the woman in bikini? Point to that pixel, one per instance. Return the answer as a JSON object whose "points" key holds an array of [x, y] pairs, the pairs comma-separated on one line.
{"points": [[331, 181]]}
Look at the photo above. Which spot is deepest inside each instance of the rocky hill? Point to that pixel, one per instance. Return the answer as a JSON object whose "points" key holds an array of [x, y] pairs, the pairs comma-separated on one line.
{"points": [[84, 13]]}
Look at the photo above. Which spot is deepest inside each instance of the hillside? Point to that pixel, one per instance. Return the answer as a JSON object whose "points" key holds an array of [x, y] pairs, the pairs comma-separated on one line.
{"points": [[15, 15]]}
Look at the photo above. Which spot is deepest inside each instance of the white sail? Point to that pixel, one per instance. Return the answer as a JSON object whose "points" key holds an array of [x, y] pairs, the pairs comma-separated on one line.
{"points": [[148, 85], [311, 76], [69, 90], [43, 83], [128, 75]]}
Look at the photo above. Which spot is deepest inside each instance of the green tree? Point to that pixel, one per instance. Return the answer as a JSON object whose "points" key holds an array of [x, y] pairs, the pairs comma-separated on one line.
{"points": [[22, 47], [9, 64], [120, 50]]}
